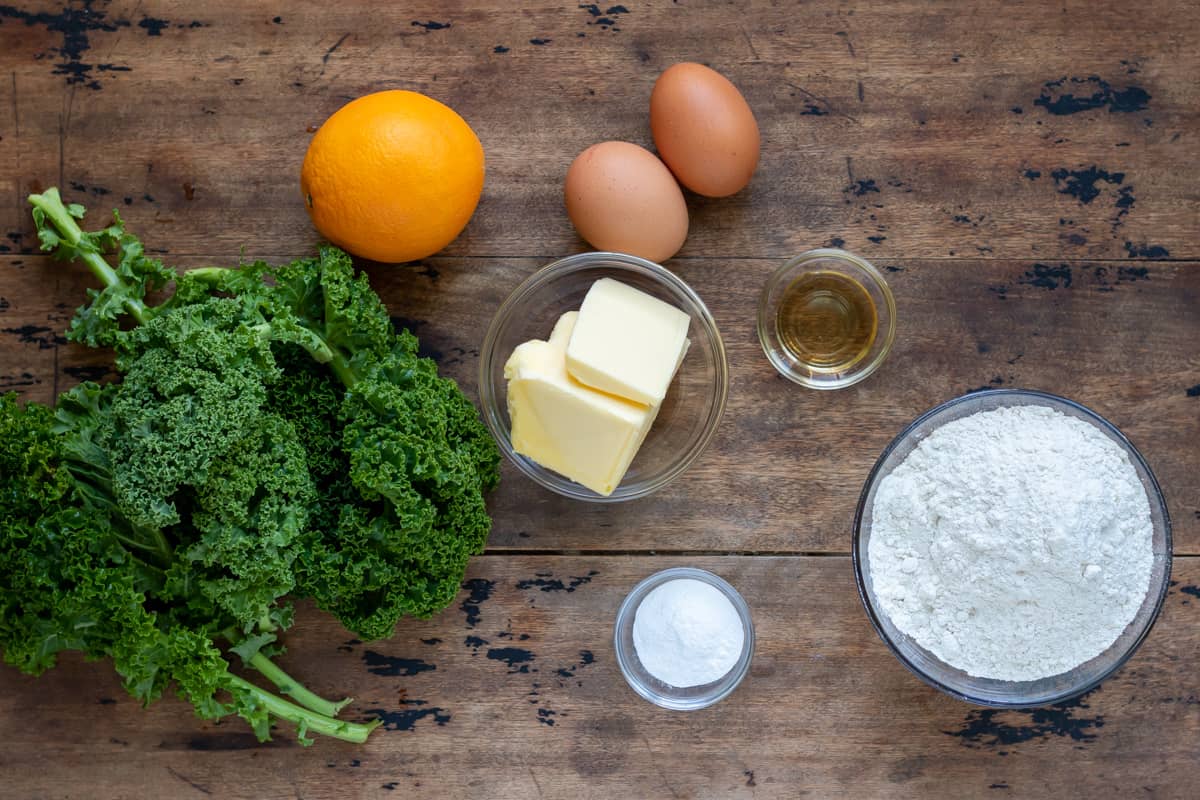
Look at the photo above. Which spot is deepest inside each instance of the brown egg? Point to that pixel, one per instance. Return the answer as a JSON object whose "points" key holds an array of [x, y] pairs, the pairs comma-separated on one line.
{"points": [[621, 197], [704, 130]]}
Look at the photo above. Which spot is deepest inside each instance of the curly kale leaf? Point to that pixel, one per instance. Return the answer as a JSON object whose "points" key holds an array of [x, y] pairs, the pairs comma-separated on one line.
{"points": [[399, 455], [194, 387], [400, 512], [249, 516], [126, 286], [69, 580], [418, 459], [271, 435]]}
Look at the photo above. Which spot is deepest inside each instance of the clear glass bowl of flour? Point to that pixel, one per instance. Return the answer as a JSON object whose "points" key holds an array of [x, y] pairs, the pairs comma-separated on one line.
{"points": [[1011, 693], [689, 698]]}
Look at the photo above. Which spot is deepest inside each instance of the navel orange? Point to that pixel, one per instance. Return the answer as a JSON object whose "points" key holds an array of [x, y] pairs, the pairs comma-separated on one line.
{"points": [[392, 176]]}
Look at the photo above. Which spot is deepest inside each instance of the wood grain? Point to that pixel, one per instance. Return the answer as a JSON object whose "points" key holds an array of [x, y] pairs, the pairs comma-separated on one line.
{"points": [[1027, 174], [826, 711], [786, 468], [907, 129]]}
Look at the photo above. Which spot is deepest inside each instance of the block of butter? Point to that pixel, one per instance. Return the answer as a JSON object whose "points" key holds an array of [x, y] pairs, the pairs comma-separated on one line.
{"points": [[627, 343], [585, 435]]}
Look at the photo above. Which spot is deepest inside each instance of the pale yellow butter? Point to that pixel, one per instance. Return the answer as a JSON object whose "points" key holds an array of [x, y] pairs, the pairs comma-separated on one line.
{"points": [[585, 435], [627, 343]]}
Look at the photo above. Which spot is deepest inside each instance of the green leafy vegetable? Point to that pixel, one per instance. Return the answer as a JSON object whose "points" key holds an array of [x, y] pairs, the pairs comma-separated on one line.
{"points": [[271, 437], [416, 455]]}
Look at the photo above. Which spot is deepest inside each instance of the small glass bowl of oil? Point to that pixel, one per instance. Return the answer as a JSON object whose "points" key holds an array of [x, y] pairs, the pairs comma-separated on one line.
{"points": [[826, 319]]}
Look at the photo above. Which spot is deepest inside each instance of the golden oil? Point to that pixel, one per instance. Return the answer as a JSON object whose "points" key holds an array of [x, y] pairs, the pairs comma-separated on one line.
{"points": [[827, 321]]}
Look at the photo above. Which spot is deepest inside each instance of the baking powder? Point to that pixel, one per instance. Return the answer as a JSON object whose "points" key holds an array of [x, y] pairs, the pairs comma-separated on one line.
{"points": [[687, 633], [1013, 544]]}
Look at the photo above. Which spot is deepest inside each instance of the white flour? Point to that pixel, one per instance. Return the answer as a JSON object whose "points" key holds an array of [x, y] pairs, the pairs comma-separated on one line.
{"points": [[1013, 544], [687, 633]]}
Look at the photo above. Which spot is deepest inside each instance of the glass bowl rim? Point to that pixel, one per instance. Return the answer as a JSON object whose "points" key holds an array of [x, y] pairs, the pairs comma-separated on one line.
{"points": [[601, 259], [728, 682], [1155, 497], [765, 334]]}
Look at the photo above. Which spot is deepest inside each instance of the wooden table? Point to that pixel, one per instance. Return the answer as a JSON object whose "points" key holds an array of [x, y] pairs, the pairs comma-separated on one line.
{"points": [[1026, 173]]}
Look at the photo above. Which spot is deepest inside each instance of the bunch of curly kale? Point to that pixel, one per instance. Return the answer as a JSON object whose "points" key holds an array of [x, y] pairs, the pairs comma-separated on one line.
{"points": [[271, 437]]}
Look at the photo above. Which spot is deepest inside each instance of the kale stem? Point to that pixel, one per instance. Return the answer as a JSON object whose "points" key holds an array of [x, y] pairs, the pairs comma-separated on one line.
{"points": [[159, 550], [284, 682], [100, 268], [294, 689], [160, 546], [312, 341], [356, 732], [52, 206], [209, 276], [341, 367], [148, 539]]}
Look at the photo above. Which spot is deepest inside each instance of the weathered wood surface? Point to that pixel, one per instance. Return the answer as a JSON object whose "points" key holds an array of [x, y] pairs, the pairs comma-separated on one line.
{"points": [[1027, 170], [786, 469], [520, 712], [904, 129]]}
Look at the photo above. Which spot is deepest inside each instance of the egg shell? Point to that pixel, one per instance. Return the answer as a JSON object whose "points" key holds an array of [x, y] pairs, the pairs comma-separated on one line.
{"points": [[621, 197], [704, 130]]}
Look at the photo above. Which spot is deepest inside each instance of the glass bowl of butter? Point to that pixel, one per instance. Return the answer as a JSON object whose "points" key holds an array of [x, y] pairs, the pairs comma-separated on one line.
{"points": [[603, 377]]}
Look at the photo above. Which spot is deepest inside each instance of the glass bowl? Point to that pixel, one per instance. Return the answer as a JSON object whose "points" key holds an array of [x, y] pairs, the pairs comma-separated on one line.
{"points": [[990, 691], [795, 369], [689, 698], [695, 401]]}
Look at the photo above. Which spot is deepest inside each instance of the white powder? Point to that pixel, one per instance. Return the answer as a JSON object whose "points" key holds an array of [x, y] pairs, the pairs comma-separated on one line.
{"points": [[687, 633], [1013, 544]]}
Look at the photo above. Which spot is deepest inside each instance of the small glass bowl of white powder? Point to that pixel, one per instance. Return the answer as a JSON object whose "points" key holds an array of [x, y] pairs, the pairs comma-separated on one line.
{"points": [[1012, 548], [684, 638]]}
